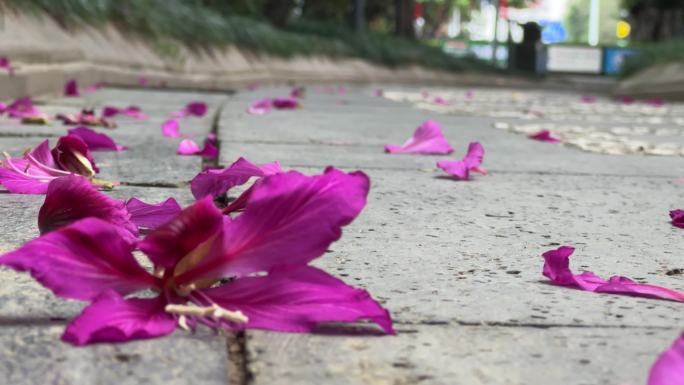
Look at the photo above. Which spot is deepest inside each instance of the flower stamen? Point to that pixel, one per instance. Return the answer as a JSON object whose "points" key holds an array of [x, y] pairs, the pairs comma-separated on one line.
{"points": [[214, 310]]}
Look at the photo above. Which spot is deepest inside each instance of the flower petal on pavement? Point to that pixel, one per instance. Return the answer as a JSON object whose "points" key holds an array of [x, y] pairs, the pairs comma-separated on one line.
{"points": [[216, 182], [81, 261], [152, 216], [427, 139], [297, 300], [557, 269], [677, 217], [111, 318], [669, 367], [170, 128], [544, 136], [95, 140]]}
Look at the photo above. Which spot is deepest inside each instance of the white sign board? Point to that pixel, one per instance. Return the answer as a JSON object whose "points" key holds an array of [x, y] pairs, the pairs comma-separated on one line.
{"points": [[574, 59]]}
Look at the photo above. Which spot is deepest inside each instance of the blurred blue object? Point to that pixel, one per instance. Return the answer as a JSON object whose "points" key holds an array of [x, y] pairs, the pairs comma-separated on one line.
{"points": [[553, 32], [613, 58]]}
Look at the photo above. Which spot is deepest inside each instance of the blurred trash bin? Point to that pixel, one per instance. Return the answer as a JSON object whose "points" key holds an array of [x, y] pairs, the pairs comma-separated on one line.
{"points": [[530, 54]]}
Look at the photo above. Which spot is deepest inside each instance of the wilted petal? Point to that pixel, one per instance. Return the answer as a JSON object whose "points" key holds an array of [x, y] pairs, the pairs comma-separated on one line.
{"points": [[669, 367], [72, 154], [172, 241], [297, 300], [544, 136], [187, 147], [196, 108], [290, 219], [557, 269], [71, 198], [289, 103], [677, 217], [151, 216], [428, 139], [71, 88], [455, 168], [111, 318], [217, 182], [96, 140], [260, 107], [81, 261]]}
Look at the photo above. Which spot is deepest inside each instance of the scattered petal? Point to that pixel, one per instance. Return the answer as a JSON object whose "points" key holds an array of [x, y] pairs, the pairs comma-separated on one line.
{"points": [[441, 101], [297, 300], [72, 154], [460, 169], [260, 107], [71, 88], [544, 136], [170, 128], [187, 147], [95, 140], [285, 103], [427, 139], [111, 318], [557, 269], [677, 217]]}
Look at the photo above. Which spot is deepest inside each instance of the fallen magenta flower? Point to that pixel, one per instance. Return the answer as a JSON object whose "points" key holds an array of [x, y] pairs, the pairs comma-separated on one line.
{"points": [[22, 107], [427, 139], [285, 103], [71, 88], [260, 107], [216, 182], [544, 136], [95, 140], [198, 109], [170, 128], [248, 272], [677, 217], [669, 367], [130, 111], [460, 169], [32, 173], [86, 118], [189, 147], [557, 269]]}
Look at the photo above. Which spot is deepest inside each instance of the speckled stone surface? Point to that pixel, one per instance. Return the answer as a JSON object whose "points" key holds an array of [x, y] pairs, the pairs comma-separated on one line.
{"points": [[458, 264]]}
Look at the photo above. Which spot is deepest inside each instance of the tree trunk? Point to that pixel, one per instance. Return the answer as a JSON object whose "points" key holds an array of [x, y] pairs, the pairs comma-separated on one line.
{"points": [[404, 18]]}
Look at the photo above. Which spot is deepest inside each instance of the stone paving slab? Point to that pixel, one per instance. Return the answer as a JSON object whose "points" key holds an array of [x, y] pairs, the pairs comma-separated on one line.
{"points": [[457, 355], [34, 354]]}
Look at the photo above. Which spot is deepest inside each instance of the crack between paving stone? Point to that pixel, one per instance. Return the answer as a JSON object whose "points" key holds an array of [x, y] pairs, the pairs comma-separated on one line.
{"points": [[236, 342], [27, 135], [156, 184], [530, 325]]}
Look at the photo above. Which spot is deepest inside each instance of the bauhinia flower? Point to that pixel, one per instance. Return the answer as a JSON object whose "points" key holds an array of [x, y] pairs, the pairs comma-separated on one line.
{"points": [[544, 136], [669, 367], [428, 139], [461, 169], [250, 271], [72, 198], [198, 109], [71, 88], [95, 140], [22, 107], [557, 269], [216, 182], [32, 173], [677, 217]]}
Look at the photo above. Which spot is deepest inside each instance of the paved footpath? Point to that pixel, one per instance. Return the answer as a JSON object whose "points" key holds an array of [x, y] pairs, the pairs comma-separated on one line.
{"points": [[457, 263]]}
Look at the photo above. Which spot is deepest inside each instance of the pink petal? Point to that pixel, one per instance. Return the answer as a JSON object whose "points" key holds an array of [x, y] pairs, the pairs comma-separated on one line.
{"points": [[285, 103], [187, 147], [170, 128], [19, 184], [172, 241], [95, 140], [588, 99], [217, 182], [260, 107], [669, 367], [111, 318], [557, 269], [544, 136], [460, 169], [71, 198], [655, 102], [109, 111], [474, 156], [297, 92], [210, 150], [43, 154], [134, 112], [71, 88], [677, 217], [627, 99], [441, 101], [455, 168], [428, 139], [81, 261], [152, 216], [290, 219], [297, 300], [196, 108]]}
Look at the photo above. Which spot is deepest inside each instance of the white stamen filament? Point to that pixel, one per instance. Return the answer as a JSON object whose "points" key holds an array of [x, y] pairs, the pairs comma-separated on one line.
{"points": [[45, 168], [44, 178], [214, 310]]}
